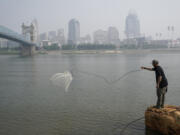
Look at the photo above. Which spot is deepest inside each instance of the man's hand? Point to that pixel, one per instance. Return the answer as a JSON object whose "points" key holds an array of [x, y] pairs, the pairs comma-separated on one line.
{"points": [[150, 69], [158, 82], [157, 86]]}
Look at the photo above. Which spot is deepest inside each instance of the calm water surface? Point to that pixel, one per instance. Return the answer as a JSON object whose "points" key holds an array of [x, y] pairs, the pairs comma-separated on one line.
{"points": [[31, 105]]}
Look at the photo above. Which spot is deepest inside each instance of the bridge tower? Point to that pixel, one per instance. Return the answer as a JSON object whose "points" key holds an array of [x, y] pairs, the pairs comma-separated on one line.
{"points": [[28, 32]]}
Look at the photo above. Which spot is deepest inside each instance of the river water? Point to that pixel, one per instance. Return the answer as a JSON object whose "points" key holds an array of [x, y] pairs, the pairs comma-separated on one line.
{"points": [[31, 105]]}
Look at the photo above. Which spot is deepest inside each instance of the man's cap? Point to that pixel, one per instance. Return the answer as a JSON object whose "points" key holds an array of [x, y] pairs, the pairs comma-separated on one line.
{"points": [[155, 62]]}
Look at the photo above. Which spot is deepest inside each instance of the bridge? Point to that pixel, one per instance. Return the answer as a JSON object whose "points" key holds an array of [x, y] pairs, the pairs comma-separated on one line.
{"points": [[27, 46]]}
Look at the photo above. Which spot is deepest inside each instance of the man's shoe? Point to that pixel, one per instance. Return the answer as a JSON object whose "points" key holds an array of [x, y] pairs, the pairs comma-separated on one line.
{"points": [[158, 107]]}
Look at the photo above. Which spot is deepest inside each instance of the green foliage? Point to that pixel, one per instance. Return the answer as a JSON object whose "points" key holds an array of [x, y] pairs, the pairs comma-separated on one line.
{"points": [[154, 46], [129, 46], [10, 51], [144, 46], [95, 47], [68, 47], [52, 47]]}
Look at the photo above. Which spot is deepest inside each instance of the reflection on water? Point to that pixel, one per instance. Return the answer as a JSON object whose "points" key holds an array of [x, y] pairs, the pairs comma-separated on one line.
{"points": [[30, 104]]}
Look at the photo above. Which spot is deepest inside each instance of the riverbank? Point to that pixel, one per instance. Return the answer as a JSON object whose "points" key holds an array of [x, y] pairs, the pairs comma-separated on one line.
{"points": [[9, 52], [123, 51], [86, 52]]}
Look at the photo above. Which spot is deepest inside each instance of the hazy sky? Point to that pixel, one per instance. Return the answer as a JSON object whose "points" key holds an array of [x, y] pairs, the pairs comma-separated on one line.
{"points": [[154, 15]]}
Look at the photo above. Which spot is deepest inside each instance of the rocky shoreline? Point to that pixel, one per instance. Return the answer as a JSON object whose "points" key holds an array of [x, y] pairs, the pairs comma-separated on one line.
{"points": [[166, 120]]}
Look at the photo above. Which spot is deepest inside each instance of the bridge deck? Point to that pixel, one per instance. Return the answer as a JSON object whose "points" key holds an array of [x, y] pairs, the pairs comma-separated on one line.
{"points": [[11, 35]]}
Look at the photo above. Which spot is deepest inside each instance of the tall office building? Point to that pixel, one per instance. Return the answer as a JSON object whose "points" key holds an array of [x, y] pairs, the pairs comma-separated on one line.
{"points": [[113, 36], [132, 28], [73, 31]]}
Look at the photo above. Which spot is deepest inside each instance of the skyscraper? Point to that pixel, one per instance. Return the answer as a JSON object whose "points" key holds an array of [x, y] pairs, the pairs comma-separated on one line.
{"points": [[132, 28], [73, 31]]}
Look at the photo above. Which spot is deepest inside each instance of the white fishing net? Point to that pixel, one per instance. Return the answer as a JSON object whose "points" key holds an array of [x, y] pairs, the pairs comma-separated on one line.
{"points": [[62, 79]]}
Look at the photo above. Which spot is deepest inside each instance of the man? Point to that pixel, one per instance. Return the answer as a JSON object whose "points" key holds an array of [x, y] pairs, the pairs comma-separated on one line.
{"points": [[161, 83]]}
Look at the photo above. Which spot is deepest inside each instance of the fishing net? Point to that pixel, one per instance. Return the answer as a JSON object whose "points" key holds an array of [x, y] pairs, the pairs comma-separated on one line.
{"points": [[62, 79]]}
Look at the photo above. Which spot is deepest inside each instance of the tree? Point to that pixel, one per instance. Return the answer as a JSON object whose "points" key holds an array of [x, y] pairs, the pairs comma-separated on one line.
{"points": [[52, 47]]}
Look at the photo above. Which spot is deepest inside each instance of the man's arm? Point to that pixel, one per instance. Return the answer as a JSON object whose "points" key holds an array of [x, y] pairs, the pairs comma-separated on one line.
{"points": [[158, 82], [150, 69]]}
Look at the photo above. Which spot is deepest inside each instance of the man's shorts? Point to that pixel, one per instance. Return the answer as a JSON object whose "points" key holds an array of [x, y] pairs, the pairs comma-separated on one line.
{"points": [[162, 90]]}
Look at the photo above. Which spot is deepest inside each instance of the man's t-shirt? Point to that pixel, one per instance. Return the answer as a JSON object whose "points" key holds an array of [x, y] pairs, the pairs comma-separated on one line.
{"points": [[159, 72]]}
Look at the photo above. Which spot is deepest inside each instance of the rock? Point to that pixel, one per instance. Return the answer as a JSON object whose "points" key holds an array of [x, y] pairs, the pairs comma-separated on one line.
{"points": [[165, 120]]}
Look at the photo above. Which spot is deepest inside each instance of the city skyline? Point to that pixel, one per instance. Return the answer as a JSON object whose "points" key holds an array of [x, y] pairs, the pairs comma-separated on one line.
{"points": [[155, 16]]}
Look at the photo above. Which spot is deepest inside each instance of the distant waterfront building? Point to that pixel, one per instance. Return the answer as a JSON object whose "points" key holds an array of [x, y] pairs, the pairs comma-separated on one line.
{"points": [[113, 36], [178, 42], [85, 40], [12, 44], [46, 43], [43, 36], [132, 28], [160, 43], [73, 31], [3, 43], [52, 35], [60, 36], [100, 37]]}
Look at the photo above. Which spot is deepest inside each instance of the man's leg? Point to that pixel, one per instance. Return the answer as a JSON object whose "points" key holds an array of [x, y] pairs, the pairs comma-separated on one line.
{"points": [[159, 98], [164, 90], [163, 98]]}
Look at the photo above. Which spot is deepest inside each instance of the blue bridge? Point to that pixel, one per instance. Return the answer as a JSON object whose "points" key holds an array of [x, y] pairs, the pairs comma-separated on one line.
{"points": [[27, 47]]}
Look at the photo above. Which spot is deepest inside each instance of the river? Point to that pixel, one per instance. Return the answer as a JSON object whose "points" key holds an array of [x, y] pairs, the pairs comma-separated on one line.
{"points": [[31, 105]]}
